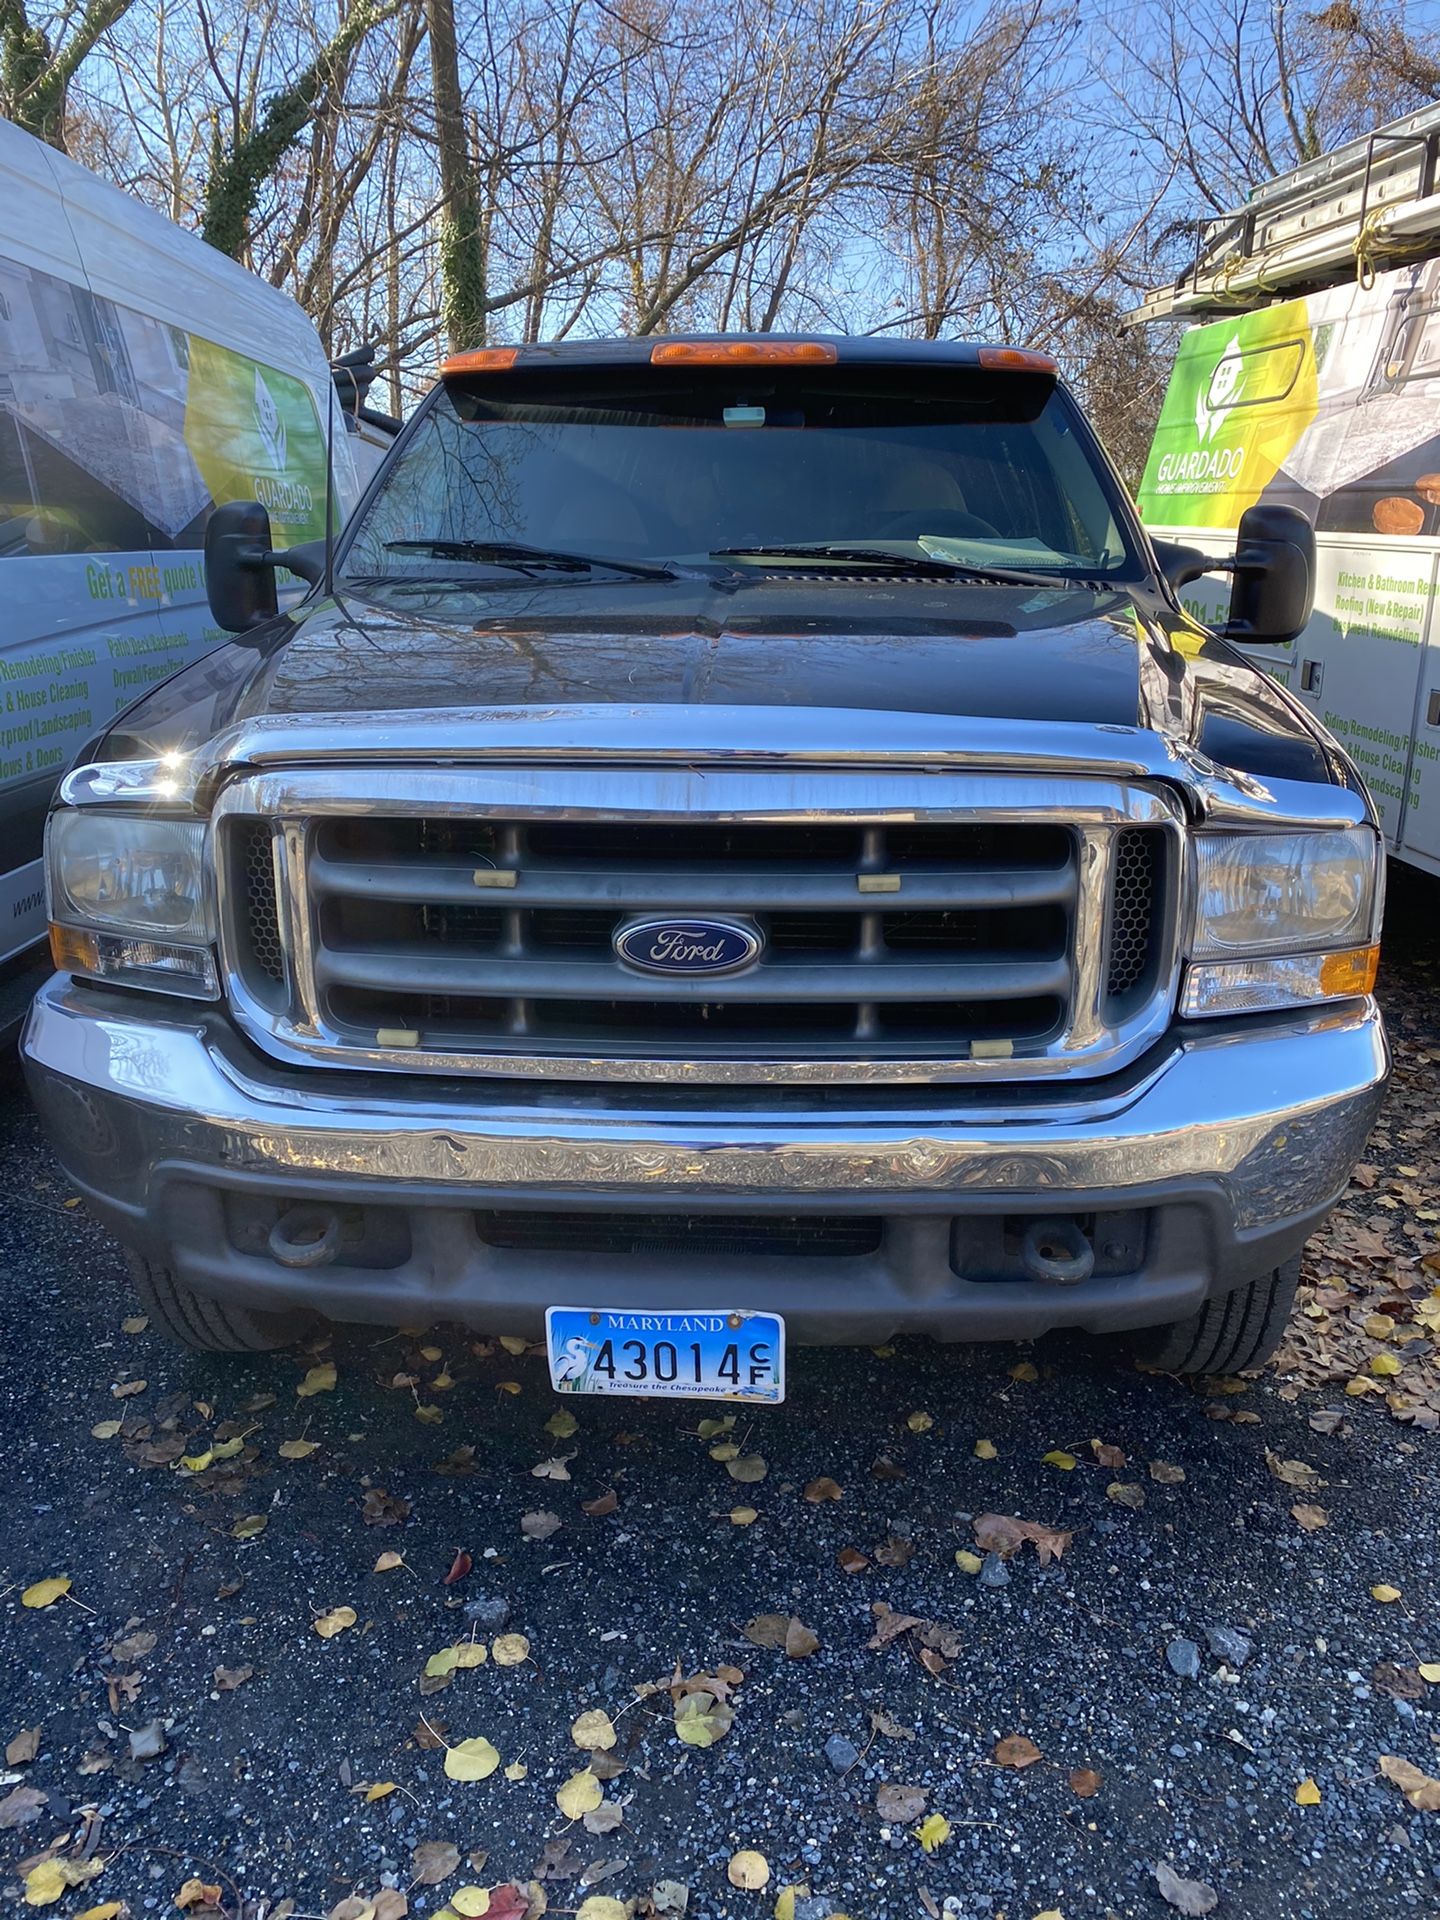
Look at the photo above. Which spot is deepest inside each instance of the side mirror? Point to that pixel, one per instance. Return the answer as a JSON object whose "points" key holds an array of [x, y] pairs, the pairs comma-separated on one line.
{"points": [[1180, 564], [239, 566], [1274, 569]]}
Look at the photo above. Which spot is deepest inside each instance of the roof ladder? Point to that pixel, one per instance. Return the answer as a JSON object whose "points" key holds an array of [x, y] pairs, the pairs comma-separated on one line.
{"points": [[1369, 205]]}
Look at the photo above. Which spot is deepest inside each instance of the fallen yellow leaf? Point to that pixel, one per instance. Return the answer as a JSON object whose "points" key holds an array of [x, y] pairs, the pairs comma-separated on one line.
{"points": [[968, 1562], [1058, 1457], [379, 1791], [471, 1901], [516, 1770], [593, 1731], [335, 1621], [510, 1650], [319, 1379], [197, 1462], [512, 1343], [933, 1831], [601, 1906], [508, 1386], [45, 1593], [562, 1423], [920, 1422], [985, 1450], [106, 1429], [743, 1516], [1385, 1365], [1307, 1794], [107, 1910], [297, 1449], [430, 1414], [134, 1323], [388, 1561], [471, 1760], [1026, 1370], [45, 1883], [748, 1870], [248, 1528], [785, 1904], [1384, 1594], [1429, 1671], [580, 1794]]}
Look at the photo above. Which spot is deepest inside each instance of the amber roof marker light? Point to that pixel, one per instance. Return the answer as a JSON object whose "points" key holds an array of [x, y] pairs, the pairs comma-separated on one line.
{"points": [[730, 353], [479, 360], [1018, 359]]}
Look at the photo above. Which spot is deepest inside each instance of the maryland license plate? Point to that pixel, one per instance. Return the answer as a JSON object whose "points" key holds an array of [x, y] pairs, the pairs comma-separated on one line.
{"points": [[697, 1356]]}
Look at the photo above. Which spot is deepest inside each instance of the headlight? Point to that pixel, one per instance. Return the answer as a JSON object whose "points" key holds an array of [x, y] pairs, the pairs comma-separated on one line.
{"points": [[1283, 892], [130, 899], [1283, 919]]}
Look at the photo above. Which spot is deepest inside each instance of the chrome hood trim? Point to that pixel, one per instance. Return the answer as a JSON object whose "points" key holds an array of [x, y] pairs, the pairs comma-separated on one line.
{"points": [[695, 737]]}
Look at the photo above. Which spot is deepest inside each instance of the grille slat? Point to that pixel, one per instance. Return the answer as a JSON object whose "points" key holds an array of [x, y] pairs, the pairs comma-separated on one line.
{"points": [[420, 968]]}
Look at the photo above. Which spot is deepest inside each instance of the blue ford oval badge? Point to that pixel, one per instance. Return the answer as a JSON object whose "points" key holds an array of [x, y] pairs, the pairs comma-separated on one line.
{"points": [[668, 945]]}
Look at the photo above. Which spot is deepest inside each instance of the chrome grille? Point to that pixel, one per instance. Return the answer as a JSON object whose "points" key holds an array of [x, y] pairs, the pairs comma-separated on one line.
{"points": [[425, 920], [980, 949]]}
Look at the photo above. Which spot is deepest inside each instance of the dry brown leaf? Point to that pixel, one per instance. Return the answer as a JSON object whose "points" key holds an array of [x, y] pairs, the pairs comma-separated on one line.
{"points": [[901, 1804], [1294, 1473], [851, 1560], [1309, 1518], [999, 1533], [800, 1641], [1085, 1783], [1016, 1751], [601, 1505], [23, 1746], [822, 1490], [1422, 1792], [433, 1861], [1108, 1456]]}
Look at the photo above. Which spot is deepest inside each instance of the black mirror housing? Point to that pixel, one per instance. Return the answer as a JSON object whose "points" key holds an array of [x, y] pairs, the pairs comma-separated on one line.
{"points": [[1274, 569], [239, 566]]}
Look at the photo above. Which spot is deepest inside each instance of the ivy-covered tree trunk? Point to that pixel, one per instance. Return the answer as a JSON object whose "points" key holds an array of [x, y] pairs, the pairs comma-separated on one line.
{"points": [[462, 249], [34, 77], [237, 176]]}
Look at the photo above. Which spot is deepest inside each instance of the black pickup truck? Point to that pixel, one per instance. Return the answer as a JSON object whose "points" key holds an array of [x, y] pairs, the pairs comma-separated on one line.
{"points": [[740, 841]]}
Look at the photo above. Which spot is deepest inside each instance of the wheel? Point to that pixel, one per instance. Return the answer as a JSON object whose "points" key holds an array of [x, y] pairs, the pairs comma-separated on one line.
{"points": [[1231, 1332], [208, 1326]]}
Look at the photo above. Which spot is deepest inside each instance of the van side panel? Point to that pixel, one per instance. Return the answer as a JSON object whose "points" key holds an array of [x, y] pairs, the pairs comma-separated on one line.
{"points": [[120, 429], [1331, 404]]}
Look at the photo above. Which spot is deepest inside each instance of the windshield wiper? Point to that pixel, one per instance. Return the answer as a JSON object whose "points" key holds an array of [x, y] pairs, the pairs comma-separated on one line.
{"points": [[931, 566], [514, 553]]}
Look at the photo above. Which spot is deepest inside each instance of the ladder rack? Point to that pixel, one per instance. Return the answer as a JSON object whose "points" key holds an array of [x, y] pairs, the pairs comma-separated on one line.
{"points": [[1368, 205]]}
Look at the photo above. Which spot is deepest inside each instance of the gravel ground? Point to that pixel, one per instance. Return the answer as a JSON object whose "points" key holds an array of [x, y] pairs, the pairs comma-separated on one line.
{"points": [[1182, 1671]]}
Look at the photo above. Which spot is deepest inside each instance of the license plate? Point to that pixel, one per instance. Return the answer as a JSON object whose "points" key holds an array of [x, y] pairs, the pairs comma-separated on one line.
{"points": [[693, 1355]]}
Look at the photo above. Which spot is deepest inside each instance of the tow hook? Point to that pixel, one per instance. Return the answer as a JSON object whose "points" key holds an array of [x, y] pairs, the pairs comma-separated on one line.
{"points": [[1057, 1251], [307, 1236]]}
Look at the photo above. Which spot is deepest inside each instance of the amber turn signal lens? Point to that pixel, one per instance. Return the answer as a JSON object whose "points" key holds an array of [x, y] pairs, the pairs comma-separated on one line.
{"points": [[480, 360], [725, 353], [72, 951], [1353, 972], [1018, 359]]}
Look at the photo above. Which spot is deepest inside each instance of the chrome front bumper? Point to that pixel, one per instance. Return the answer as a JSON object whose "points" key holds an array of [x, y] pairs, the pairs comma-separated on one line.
{"points": [[1234, 1141]]}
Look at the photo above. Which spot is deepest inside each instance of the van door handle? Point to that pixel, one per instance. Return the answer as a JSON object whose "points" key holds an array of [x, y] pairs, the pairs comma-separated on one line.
{"points": [[1432, 708], [1311, 674]]}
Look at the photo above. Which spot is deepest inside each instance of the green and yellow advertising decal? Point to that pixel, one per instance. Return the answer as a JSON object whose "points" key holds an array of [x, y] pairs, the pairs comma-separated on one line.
{"points": [[1242, 394], [254, 434]]}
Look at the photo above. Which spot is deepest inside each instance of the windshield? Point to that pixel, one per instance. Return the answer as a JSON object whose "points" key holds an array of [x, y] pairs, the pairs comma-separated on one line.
{"points": [[947, 463]]}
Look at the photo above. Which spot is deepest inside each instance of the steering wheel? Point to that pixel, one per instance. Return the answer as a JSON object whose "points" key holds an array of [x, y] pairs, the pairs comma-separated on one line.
{"points": [[946, 522]]}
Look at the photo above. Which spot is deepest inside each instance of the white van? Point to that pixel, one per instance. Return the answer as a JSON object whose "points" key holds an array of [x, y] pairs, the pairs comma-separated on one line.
{"points": [[144, 378], [1329, 401]]}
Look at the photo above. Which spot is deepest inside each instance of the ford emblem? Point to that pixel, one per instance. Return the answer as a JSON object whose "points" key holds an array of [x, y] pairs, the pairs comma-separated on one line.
{"points": [[672, 945]]}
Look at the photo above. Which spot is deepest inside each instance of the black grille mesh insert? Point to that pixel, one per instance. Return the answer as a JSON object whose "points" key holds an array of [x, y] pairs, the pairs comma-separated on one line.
{"points": [[802, 1236], [256, 866], [1134, 900]]}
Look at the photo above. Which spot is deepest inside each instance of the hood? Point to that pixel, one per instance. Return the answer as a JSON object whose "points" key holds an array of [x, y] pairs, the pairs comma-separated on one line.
{"points": [[995, 654]]}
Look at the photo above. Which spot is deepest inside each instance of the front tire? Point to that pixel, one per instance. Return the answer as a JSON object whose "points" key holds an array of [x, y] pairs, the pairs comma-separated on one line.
{"points": [[204, 1325], [1232, 1331]]}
